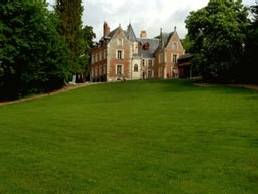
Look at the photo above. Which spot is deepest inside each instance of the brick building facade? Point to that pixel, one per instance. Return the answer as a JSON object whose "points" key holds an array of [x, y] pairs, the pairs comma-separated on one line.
{"points": [[120, 55]]}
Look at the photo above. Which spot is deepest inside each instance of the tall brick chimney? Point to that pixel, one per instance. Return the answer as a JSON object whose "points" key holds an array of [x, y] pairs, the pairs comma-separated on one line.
{"points": [[143, 34], [106, 29]]}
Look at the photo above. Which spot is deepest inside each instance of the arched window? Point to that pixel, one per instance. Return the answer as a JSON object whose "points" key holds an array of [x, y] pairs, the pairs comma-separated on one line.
{"points": [[136, 68]]}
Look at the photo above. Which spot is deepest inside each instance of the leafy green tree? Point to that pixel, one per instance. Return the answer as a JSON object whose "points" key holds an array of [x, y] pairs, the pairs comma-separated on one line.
{"points": [[33, 56], [87, 41], [70, 26], [186, 43], [217, 33], [250, 59]]}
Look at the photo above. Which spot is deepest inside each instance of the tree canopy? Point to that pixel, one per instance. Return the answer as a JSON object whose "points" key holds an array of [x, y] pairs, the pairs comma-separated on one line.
{"points": [[217, 34], [70, 27], [33, 56], [251, 49], [39, 49]]}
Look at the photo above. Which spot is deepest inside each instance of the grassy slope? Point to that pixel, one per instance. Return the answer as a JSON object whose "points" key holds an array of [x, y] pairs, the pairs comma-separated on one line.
{"points": [[134, 137]]}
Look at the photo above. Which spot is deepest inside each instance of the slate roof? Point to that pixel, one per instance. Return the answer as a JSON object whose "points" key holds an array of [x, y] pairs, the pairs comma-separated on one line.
{"points": [[130, 33], [153, 45], [111, 34], [165, 38]]}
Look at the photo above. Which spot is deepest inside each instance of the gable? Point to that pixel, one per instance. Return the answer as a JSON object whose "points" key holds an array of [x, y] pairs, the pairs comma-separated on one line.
{"points": [[174, 42], [119, 40]]}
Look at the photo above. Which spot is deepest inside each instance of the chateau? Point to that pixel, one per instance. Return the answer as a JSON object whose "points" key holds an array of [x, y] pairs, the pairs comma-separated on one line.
{"points": [[121, 55]]}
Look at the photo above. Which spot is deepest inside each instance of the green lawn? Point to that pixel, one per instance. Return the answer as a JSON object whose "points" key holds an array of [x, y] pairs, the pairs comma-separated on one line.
{"points": [[135, 137]]}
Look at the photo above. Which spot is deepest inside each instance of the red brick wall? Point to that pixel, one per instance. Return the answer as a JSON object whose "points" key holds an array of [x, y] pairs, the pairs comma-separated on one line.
{"points": [[112, 57]]}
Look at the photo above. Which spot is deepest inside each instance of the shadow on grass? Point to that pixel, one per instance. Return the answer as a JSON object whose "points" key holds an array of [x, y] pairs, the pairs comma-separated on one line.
{"points": [[188, 86]]}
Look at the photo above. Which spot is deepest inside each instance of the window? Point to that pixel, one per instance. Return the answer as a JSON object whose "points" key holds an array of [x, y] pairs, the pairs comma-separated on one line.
{"points": [[105, 54], [150, 74], [120, 42], [150, 63], [92, 72], [146, 46], [100, 70], [136, 68], [104, 69], [97, 60], [143, 62], [100, 56], [93, 59], [96, 72], [119, 54], [174, 58], [119, 70]]}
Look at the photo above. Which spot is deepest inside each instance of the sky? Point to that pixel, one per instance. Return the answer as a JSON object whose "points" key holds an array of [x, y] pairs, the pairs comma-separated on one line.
{"points": [[149, 15]]}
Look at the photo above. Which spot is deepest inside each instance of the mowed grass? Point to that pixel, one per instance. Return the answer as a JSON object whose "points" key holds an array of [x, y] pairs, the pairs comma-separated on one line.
{"points": [[135, 137]]}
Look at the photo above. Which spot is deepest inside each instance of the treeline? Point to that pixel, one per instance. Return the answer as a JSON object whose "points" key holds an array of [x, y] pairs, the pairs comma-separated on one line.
{"points": [[36, 53], [223, 38]]}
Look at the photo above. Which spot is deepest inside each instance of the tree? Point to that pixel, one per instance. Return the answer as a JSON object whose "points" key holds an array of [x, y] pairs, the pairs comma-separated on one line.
{"points": [[70, 27], [87, 39], [217, 33], [250, 59], [33, 54]]}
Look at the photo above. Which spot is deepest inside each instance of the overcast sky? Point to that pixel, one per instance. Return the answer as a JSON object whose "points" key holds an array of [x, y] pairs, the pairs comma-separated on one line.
{"points": [[149, 15]]}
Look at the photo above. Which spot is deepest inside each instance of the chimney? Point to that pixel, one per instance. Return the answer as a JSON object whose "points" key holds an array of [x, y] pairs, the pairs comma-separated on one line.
{"points": [[106, 29], [160, 38], [143, 34]]}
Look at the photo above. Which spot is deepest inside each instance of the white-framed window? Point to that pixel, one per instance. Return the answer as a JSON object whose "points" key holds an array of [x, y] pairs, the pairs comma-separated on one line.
{"points": [[161, 59], [174, 59], [100, 56], [120, 42], [165, 57], [97, 57], [92, 59], [100, 70], [119, 69], [104, 69], [120, 54], [136, 68], [150, 74], [150, 63], [96, 71], [105, 53], [92, 72]]}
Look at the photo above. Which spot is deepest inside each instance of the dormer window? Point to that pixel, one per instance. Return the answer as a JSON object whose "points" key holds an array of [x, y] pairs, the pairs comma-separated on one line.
{"points": [[146, 46], [120, 42], [119, 54]]}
